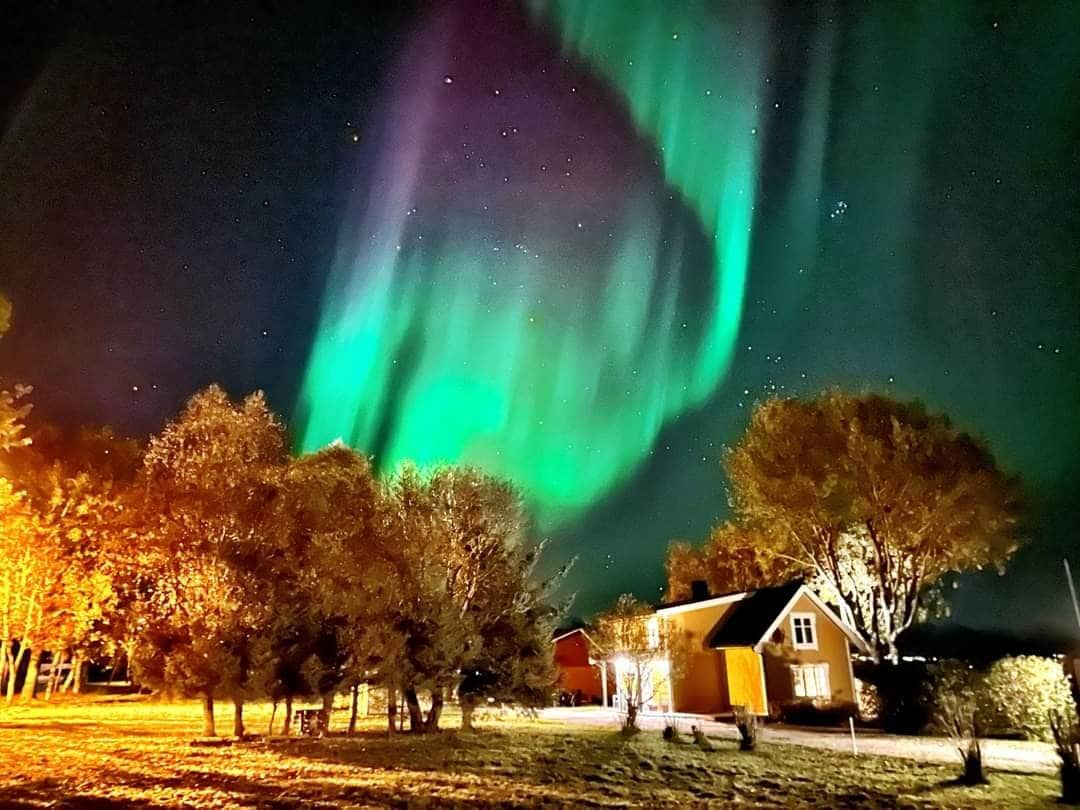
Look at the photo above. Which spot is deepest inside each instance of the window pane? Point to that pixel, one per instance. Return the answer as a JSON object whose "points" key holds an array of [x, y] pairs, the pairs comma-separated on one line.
{"points": [[800, 685], [822, 677]]}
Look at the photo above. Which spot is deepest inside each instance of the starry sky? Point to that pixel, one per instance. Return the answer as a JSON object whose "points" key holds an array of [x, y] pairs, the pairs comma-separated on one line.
{"points": [[570, 242]]}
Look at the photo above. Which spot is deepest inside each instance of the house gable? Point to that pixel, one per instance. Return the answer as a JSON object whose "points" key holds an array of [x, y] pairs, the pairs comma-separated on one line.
{"points": [[807, 602]]}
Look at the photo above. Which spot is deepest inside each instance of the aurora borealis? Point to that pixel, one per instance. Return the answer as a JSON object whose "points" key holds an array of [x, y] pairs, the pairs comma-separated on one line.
{"points": [[561, 385], [571, 242]]}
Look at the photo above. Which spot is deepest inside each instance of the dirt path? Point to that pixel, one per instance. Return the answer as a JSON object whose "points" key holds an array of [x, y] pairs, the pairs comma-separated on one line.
{"points": [[1004, 755]]}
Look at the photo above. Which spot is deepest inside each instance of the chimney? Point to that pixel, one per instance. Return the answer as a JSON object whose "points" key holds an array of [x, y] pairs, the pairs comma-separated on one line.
{"points": [[699, 589]]}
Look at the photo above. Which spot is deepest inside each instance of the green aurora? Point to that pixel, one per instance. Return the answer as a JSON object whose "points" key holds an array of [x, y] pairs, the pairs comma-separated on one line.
{"points": [[565, 400]]}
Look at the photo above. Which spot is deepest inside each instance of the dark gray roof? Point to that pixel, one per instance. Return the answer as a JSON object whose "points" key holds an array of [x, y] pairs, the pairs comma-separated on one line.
{"points": [[745, 622]]}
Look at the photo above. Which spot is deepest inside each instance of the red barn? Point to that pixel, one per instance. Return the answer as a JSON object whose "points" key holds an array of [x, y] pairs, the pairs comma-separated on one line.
{"points": [[581, 676]]}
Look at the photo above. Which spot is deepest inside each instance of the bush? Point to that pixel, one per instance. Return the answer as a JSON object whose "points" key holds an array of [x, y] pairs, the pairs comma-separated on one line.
{"points": [[807, 713], [746, 723], [902, 694], [1021, 694], [868, 700], [1014, 696]]}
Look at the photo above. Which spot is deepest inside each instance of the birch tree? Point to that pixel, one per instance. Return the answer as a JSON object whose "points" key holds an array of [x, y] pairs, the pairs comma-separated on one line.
{"points": [[208, 484], [875, 500]]}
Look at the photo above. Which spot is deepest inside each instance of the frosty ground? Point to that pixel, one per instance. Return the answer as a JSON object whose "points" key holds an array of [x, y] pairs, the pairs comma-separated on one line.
{"points": [[137, 753]]}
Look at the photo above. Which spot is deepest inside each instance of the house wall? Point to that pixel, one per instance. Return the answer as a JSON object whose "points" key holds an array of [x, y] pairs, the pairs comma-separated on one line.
{"points": [[572, 651], [572, 659], [700, 680], [833, 649]]}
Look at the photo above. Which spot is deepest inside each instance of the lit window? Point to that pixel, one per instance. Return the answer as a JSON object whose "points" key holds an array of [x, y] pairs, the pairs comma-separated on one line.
{"points": [[811, 680], [803, 631], [652, 629]]}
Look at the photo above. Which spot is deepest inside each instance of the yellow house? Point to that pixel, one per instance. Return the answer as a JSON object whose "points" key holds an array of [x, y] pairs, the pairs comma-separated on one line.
{"points": [[758, 649]]}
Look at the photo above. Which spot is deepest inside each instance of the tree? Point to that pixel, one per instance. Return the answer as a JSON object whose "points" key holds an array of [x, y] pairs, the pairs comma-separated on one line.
{"points": [[208, 484], [74, 484], [645, 651], [327, 578], [873, 499], [13, 408], [21, 577], [514, 623], [734, 558], [456, 538]]}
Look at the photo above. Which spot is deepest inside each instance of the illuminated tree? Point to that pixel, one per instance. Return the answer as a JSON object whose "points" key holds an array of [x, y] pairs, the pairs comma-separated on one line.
{"points": [[874, 500], [734, 558], [75, 484], [209, 480], [645, 653], [459, 548], [326, 578], [22, 578], [514, 622], [13, 407]]}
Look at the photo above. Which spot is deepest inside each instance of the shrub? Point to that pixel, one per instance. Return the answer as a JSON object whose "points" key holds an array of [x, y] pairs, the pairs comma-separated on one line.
{"points": [[902, 694], [868, 701], [1021, 694], [956, 691], [807, 713], [746, 723]]}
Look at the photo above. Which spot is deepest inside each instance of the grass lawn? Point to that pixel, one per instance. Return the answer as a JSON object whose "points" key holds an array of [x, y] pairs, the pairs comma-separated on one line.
{"points": [[135, 753]]}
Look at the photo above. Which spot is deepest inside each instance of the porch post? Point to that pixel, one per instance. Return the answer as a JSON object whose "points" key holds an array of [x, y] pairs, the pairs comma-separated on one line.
{"points": [[603, 681]]}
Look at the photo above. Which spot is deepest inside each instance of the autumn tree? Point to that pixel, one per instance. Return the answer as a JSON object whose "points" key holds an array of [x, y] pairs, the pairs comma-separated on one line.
{"points": [[209, 481], [13, 403], [514, 620], [461, 565], [328, 581], [734, 558], [645, 652], [75, 484], [23, 574], [874, 500]]}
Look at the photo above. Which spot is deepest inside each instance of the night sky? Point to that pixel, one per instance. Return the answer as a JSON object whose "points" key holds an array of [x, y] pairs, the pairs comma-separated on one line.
{"points": [[572, 243]]}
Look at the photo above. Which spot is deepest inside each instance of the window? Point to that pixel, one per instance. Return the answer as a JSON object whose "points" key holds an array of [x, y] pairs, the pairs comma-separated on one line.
{"points": [[652, 630], [811, 680], [803, 631]]}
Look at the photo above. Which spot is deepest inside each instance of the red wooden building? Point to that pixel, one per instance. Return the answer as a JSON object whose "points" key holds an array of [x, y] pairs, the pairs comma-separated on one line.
{"points": [[582, 676]]}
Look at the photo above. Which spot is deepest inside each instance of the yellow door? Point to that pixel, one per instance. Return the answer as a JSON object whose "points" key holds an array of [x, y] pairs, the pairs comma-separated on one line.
{"points": [[746, 679]]}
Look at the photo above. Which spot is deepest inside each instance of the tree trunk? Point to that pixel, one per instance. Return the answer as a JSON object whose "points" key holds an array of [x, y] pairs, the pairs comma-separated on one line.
{"points": [[77, 675], [416, 717], [888, 652], [5, 652], [29, 689], [353, 708], [327, 710], [238, 718], [1070, 782], [437, 698], [54, 675], [391, 709], [286, 727], [13, 672], [65, 687], [208, 715], [468, 706], [273, 714]]}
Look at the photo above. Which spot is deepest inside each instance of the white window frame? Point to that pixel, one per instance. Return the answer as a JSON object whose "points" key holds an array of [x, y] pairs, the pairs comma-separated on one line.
{"points": [[652, 632], [812, 644], [817, 675]]}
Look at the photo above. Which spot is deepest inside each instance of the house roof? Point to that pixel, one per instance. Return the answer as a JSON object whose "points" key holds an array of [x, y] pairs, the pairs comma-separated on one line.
{"points": [[754, 615], [693, 604], [559, 635], [748, 620]]}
